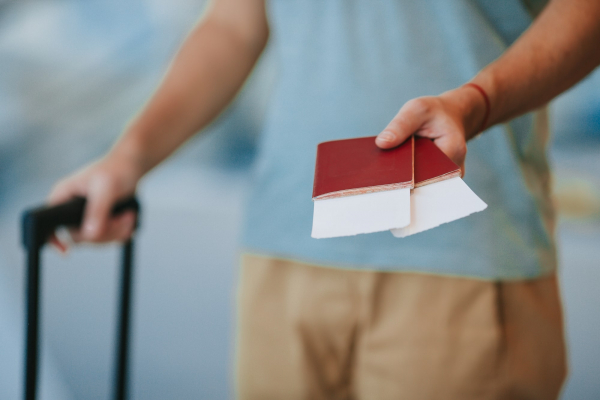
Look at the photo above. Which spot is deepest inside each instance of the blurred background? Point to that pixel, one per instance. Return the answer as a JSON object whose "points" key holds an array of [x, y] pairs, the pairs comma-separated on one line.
{"points": [[72, 72]]}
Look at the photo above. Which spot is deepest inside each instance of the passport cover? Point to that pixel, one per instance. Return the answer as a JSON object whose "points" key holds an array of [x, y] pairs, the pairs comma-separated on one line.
{"points": [[431, 164], [357, 166]]}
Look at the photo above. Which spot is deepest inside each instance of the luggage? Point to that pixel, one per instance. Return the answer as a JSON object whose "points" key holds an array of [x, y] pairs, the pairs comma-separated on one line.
{"points": [[38, 225]]}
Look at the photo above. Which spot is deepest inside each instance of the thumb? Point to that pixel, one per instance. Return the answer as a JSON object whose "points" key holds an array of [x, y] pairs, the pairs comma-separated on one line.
{"points": [[409, 119], [100, 199]]}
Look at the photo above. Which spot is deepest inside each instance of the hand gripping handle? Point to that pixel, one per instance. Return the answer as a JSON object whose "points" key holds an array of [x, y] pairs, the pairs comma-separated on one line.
{"points": [[39, 223]]}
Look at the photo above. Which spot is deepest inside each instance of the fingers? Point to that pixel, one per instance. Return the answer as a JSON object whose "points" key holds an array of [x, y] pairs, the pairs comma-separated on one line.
{"points": [[125, 227], [412, 116], [60, 246], [63, 191], [430, 117], [100, 199], [119, 228], [98, 225]]}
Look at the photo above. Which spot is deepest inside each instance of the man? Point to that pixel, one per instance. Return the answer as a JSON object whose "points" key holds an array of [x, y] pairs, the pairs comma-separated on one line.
{"points": [[469, 310]]}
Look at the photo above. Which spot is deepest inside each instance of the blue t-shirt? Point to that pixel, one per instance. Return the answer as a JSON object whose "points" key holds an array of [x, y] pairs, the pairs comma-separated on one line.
{"points": [[345, 69]]}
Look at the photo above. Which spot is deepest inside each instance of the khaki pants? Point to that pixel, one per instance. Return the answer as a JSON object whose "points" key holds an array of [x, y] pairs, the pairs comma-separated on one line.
{"points": [[308, 332]]}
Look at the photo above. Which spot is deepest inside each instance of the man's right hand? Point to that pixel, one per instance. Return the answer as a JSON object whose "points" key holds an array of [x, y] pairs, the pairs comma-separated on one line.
{"points": [[103, 183]]}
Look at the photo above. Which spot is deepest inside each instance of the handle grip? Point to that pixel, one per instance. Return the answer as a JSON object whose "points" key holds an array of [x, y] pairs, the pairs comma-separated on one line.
{"points": [[39, 223]]}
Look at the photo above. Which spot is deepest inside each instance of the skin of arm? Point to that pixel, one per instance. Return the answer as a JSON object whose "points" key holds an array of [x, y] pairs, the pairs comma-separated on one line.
{"points": [[560, 48], [208, 71]]}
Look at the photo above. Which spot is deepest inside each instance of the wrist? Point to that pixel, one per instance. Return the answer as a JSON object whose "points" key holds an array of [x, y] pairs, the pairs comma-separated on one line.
{"points": [[486, 100], [471, 107], [128, 156]]}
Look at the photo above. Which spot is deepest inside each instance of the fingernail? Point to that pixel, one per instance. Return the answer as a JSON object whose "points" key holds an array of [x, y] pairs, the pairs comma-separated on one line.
{"points": [[386, 137]]}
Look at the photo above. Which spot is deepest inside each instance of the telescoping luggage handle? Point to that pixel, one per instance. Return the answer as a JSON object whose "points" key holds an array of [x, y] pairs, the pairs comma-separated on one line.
{"points": [[38, 225]]}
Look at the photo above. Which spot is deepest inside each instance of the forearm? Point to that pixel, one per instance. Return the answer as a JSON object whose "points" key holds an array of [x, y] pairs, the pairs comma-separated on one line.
{"points": [[560, 48], [206, 74]]}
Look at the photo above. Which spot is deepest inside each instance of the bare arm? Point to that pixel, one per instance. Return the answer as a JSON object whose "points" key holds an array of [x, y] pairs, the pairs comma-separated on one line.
{"points": [[208, 71], [210, 68], [560, 48]]}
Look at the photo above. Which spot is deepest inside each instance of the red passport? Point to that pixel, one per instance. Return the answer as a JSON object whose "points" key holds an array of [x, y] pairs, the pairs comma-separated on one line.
{"points": [[431, 164], [360, 188], [357, 166]]}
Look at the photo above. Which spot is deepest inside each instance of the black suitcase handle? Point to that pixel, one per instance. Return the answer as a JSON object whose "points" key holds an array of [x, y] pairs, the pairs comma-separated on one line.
{"points": [[38, 224]]}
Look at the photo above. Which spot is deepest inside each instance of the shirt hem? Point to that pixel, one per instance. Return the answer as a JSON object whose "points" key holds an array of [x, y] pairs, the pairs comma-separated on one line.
{"points": [[398, 269]]}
